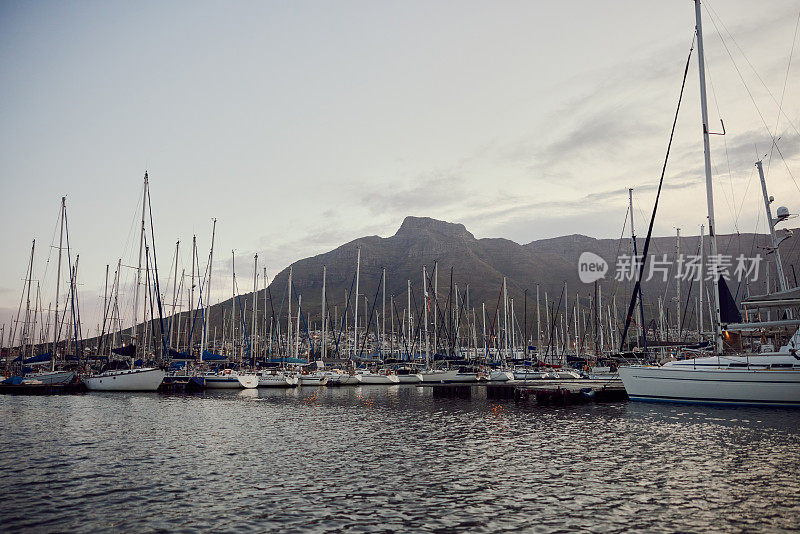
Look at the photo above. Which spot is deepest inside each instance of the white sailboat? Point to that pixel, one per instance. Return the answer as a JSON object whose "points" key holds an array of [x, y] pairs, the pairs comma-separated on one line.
{"points": [[770, 378], [276, 379], [337, 377], [373, 378], [317, 378], [141, 379], [230, 379]]}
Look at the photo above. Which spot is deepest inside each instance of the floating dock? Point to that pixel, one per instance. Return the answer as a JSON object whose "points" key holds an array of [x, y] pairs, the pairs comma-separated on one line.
{"points": [[43, 389], [545, 392]]}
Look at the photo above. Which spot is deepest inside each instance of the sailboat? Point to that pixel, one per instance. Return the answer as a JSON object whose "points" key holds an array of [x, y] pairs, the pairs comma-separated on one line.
{"points": [[133, 379], [765, 379]]}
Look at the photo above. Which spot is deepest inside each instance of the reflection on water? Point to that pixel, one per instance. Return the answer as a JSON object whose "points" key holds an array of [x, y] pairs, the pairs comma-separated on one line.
{"points": [[390, 458]]}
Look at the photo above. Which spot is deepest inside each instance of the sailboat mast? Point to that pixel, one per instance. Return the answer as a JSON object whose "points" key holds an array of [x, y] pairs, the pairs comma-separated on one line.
{"points": [[538, 325], [712, 229], [425, 307], [635, 263], [190, 327], [139, 267], [355, 310], [206, 318], [174, 298], [58, 286], [253, 348], [324, 313], [289, 317], [408, 326], [233, 303], [678, 283]]}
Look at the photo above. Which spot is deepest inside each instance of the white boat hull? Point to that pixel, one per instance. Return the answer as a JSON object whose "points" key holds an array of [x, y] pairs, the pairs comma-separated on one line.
{"points": [[278, 380], [409, 379], [343, 380], [313, 380], [379, 380], [230, 381], [437, 376], [144, 379], [769, 387]]}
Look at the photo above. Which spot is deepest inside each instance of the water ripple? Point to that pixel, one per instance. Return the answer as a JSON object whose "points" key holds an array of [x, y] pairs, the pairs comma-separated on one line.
{"points": [[375, 459]]}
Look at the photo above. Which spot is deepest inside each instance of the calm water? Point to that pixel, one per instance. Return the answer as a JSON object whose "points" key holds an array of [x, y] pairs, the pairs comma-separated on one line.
{"points": [[384, 459]]}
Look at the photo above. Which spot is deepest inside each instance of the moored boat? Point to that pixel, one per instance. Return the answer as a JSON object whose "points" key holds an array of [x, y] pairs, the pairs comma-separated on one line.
{"points": [[276, 379], [141, 379], [371, 378], [230, 379], [313, 379]]}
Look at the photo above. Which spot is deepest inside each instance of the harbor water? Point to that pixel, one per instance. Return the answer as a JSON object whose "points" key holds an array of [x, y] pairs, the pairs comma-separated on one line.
{"points": [[380, 459]]}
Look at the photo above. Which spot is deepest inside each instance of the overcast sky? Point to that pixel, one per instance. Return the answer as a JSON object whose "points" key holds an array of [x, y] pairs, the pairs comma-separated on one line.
{"points": [[302, 125]]}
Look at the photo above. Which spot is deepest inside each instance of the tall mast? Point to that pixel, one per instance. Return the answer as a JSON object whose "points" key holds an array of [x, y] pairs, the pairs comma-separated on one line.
{"points": [[355, 310], [206, 318], [297, 333], [425, 319], [289, 317], [678, 283], [233, 303], [174, 298], [139, 267], [505, 320], [712, 229], [383, 310], [25, 330], [190, 327], [635, 263], [409, 331], [180, 306], [58, 286], [253, 336], [436, 304], [324, 312], [538, 325]]}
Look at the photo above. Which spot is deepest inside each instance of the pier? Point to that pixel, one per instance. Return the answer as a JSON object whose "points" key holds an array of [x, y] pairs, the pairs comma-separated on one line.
{"points": [[544, 392], [43, 389]]}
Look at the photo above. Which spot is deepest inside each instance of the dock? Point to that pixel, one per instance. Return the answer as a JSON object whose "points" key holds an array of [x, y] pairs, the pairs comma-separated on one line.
{"points": [[544, 392], [76, 388]]}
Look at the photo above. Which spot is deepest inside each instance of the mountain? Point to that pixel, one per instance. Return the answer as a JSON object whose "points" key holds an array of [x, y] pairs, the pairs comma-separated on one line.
{"points": [[482, 263]]}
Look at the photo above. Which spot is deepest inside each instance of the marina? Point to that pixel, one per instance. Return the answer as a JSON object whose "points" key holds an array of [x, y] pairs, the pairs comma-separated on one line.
{"points": [[418, 267]]}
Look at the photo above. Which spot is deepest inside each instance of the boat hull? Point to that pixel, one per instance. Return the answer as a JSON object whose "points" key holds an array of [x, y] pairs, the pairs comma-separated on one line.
{"points": [[409, 379], [145, 379], [278, 380], [379, 380], [313, 380], [753, 387], [435, 377], [343, 380], [231, 382]]}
